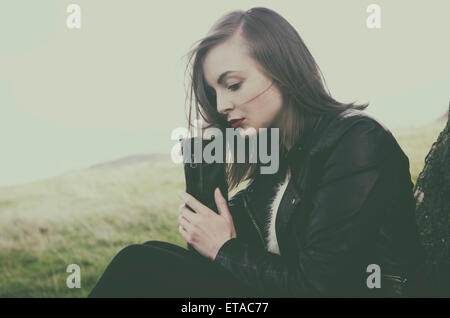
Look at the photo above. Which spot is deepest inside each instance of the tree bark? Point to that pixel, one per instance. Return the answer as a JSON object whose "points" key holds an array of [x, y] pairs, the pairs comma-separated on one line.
{"points": [[432, 194]]}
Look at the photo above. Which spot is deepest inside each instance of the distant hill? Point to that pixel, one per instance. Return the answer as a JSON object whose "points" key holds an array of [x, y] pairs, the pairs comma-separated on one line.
{"points": [[443, 118], [132, 159]]}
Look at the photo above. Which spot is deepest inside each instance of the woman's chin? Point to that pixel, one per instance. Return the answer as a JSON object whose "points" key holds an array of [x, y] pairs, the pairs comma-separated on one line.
{"points": [[247, 131]]}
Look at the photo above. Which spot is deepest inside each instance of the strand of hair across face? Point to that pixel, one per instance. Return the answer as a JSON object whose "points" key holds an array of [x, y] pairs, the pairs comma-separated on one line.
{"points": [[258, 94]]}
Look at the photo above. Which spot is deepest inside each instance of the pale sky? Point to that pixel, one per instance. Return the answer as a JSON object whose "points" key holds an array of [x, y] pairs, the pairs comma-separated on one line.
{"points": [[70, 98]]}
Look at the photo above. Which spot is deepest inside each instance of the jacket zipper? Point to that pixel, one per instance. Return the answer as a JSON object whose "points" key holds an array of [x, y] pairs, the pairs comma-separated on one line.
{"points": [[253, 220]]}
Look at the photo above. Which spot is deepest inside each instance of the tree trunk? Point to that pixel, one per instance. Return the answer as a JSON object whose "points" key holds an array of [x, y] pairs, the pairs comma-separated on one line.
{"points": [[432, 194]]}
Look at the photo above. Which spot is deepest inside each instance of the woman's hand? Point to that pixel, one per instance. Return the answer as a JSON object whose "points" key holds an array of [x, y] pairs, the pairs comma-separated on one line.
{"points": [[205, 230]]}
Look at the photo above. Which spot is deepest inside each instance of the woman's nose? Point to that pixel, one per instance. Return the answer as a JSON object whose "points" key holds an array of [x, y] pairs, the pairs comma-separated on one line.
{"points": [[224, 105]]}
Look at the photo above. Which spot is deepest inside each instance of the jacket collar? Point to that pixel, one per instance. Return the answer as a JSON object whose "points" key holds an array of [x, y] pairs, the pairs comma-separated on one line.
{"points": [[315, 126]]}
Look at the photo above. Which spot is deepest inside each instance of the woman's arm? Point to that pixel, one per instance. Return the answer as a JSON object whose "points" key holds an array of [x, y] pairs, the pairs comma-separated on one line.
{"points": [[356, 185]]}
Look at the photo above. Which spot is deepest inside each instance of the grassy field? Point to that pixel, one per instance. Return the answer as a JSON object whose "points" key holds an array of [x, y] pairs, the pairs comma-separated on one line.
{"points": [[87, 217]]}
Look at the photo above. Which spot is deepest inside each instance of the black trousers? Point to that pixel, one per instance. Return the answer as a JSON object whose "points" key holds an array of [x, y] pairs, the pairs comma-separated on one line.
{"points": [[161, 269]]}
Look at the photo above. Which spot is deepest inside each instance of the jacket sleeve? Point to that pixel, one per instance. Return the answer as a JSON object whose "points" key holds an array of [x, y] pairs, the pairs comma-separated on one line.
{"points": [[346, 205]]}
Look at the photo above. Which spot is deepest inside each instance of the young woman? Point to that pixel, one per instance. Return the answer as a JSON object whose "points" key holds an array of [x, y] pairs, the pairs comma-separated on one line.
{"points": [[336, 219]]}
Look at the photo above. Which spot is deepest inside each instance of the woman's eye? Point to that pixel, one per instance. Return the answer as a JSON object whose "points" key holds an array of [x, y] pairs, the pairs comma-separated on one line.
{"points": [[235, 87]]}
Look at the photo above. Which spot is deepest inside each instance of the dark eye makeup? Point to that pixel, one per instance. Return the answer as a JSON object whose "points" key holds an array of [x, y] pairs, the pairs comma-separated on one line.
{"points": [[232, 88], [235, 87]]}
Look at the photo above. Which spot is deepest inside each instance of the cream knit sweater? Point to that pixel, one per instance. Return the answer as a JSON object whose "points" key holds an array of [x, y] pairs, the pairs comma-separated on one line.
{"points": [[272, 243]]}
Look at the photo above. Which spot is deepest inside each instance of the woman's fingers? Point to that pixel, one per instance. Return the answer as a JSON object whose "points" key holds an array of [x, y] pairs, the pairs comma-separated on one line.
{"points": [[185, 228], [188, 214], [196, 205], [184, 223], [183, 233]]}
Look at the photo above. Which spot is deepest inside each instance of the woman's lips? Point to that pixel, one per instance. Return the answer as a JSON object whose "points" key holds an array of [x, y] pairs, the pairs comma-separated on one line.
{"points": [[237, 123]]}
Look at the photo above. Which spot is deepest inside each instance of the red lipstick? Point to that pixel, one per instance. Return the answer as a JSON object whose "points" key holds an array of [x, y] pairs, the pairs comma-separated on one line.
{"points": [[236, 123]]}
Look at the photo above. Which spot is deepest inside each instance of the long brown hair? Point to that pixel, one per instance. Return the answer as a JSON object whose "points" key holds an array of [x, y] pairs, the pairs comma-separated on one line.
{"points": [[279, 49]]}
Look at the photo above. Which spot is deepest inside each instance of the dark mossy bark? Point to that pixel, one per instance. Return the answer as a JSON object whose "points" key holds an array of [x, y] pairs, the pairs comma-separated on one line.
{"points": [[432, 193]]}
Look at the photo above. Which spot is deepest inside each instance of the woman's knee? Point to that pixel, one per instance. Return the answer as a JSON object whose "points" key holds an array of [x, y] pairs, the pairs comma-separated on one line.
{"points": [[157, 243], [155, 254], [129, 252], [151, 242], [151, 250], [166, 246]]}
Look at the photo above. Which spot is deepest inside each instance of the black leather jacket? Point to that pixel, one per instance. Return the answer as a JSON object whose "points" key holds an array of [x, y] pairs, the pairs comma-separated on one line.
{"points": [[348, 204]]}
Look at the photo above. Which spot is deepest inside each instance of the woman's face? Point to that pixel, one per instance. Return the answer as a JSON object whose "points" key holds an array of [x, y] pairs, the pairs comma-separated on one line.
{"points": [[244, 91]]}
